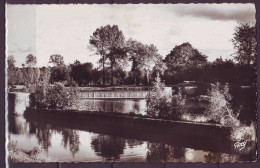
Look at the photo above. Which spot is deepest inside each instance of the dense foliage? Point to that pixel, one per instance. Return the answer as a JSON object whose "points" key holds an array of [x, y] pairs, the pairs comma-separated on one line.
{"points": [[54, 96], [244, 41], [219, 109], [183, 63], [159, 101]]}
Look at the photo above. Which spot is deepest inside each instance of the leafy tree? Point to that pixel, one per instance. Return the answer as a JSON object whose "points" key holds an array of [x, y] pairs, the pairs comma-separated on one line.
{"points": [[159, 68], [183, 57], [244, 41], [149, 59], [56, 60], [31, 60], [81, 73], [45, 74], [117, 60], [119, 75], [60, 74], [108, 42], [135, 51]]}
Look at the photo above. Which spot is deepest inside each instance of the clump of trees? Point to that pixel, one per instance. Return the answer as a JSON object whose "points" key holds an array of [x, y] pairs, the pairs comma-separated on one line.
{"points": [[184, 62], [109, 43]]}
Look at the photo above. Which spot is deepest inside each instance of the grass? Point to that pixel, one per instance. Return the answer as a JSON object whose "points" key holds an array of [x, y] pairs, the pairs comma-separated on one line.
{"points": [[16, 154]]}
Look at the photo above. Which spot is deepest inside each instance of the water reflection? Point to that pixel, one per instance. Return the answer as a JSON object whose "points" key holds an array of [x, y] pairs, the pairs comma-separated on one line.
{"points": [[70, 138], [108, 147], [159, 152], [43, 134], [133, 142], [88, 146]]}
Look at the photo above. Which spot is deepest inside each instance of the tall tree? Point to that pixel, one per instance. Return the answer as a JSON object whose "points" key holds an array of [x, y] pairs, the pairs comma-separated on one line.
{"points": [[31, 60], [135, 50], [56, 60], [244, 41], [108, 42]]}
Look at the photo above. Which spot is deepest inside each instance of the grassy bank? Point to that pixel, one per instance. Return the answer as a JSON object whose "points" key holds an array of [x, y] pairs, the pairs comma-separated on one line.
{"points": [[16, 154]]}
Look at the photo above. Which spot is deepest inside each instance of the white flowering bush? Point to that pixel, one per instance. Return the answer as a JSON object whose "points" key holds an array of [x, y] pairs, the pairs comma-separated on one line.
{"points": [[219, 108]]}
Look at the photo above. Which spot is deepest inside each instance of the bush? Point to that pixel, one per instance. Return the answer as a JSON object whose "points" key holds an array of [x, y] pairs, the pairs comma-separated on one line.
{"points": [[219, 109], [54, 96], [244, 133], [159, 102]]}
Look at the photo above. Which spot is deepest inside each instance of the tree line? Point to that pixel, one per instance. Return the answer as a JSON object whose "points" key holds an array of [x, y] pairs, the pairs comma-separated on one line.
{"points": [[184, 62]]}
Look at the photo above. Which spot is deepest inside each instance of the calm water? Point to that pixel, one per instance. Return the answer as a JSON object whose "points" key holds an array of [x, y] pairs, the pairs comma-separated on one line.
{"points": [[66, 141]]}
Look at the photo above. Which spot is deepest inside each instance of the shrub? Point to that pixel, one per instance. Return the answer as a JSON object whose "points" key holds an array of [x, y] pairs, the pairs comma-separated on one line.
{"points": [[244, 133], [54, 96], [159, 101], [219, 108]]}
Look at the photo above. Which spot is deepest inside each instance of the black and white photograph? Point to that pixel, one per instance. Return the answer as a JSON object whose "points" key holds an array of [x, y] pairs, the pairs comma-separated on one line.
{"points": [[131, 83]]}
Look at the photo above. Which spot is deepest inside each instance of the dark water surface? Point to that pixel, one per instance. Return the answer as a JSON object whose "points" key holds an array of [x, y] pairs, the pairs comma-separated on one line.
{"points": [[92, 140]]}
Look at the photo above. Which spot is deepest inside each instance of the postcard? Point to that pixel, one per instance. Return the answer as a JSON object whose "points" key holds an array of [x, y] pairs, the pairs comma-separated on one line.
{"points": [[131, 83]]}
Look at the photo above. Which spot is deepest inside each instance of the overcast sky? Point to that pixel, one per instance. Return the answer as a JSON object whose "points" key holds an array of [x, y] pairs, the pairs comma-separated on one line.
{"points": [[43, 30]]}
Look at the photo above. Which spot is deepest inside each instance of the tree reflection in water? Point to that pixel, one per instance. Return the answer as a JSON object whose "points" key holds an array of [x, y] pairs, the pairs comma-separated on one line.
{"points": [[162, 152], [212, 157], [70, 138], [133, 142], [220, 157], [108, 147], [43, 134]]}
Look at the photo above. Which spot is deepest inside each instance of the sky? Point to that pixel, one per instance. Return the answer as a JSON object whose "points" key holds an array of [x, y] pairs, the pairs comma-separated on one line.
{"points": [[44, 30]]}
